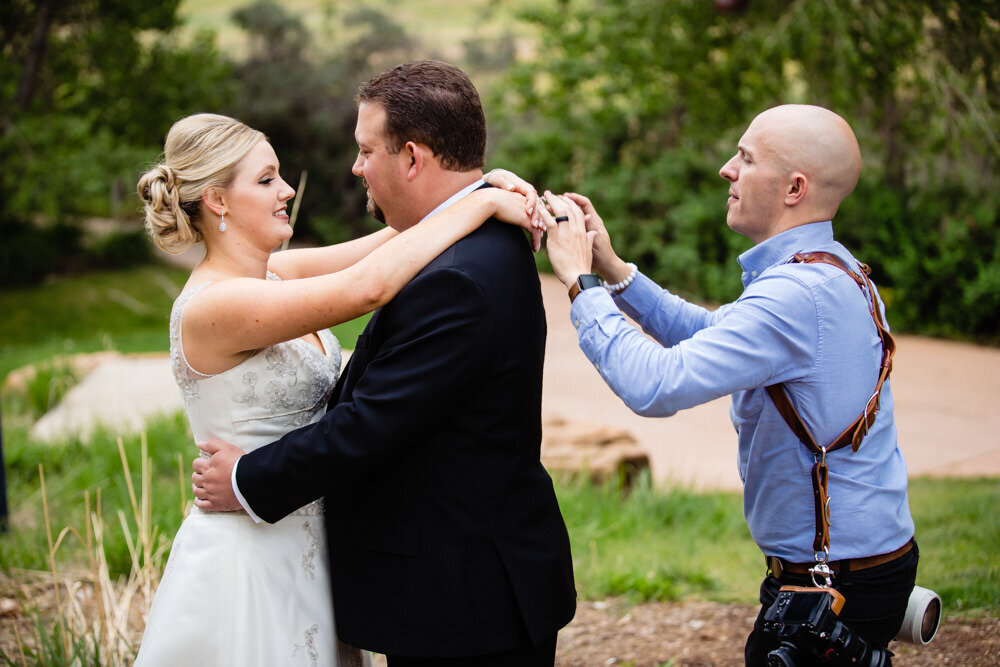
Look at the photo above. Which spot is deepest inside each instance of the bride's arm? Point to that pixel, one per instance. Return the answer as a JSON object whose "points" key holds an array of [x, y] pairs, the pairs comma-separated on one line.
{"points": [[228, 319], [308, 262]]}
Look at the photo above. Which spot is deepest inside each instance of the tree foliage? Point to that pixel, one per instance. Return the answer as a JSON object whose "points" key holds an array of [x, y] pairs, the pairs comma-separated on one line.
{"points": [[305, 104], [87, 88], [638, 104]]}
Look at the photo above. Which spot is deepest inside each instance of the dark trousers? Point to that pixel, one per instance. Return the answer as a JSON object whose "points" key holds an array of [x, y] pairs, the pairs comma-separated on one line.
{"points": [[543, 655], [875, 604]]}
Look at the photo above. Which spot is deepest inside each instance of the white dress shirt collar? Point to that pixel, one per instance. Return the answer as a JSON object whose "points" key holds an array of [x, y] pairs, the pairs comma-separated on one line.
{"points": [[455, 197]]}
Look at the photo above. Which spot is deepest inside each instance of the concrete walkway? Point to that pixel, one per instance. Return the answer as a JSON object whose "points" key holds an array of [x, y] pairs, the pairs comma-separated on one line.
{"points": [[946, 406]]}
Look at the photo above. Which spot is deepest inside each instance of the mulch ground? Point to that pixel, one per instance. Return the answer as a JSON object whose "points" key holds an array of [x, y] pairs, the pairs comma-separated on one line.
{"points": [[612, 632], [711, 633]]}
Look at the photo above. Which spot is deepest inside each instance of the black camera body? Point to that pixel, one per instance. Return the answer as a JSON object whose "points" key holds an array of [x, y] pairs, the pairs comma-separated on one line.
{"points": [[807, 622]]}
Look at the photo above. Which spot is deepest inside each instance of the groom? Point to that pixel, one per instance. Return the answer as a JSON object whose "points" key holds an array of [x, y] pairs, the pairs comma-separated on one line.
{"points": [[447, 546]]}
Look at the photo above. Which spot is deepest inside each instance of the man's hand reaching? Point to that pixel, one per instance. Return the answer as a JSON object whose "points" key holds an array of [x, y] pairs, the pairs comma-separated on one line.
{"points": [[569, 243], [606, 262], [212, 477]]}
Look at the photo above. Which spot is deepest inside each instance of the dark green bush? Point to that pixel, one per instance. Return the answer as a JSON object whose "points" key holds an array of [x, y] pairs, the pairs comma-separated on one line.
{"points": [[638, 105], [121, 250]]}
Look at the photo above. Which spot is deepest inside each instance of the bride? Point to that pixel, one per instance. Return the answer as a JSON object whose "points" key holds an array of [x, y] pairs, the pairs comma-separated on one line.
{"points": [[254, 359]]}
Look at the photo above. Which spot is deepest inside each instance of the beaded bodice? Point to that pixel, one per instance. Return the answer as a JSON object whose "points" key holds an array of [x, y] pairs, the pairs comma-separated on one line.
{"points": [[275, 390]]}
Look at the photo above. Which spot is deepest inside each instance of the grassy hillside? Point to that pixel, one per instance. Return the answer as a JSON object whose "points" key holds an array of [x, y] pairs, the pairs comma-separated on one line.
{"points": [[441, 26]]}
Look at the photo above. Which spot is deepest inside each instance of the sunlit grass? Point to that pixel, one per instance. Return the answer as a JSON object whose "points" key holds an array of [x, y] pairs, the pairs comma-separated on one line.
{"points": [[652, 543], [127, 311], [668, 544], [123, 310], [659, 543], [440, 26], [958, 530]]}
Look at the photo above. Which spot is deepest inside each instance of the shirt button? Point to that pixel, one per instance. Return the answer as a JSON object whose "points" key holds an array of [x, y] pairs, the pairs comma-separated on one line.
{"points": [[753, 273], [597, 366], [576, 323]]}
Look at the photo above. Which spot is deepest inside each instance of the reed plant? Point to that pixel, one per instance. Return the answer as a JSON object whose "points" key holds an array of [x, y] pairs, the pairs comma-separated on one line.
{"points": [[87, 616]]}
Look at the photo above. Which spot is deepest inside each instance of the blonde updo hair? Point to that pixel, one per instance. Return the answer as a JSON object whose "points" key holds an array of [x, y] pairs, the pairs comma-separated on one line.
{"points": [[201, 152]]}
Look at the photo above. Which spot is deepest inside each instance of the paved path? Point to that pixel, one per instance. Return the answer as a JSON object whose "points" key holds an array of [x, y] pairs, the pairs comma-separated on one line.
{"points": [[947, 408]]}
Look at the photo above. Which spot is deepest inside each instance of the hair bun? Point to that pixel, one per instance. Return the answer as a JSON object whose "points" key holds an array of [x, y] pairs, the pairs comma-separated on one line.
{"points": [[203, 151], [167, 223]]}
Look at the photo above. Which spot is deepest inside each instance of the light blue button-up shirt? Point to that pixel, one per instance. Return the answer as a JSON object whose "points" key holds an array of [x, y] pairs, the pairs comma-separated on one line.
{"points": [[804, 325]]}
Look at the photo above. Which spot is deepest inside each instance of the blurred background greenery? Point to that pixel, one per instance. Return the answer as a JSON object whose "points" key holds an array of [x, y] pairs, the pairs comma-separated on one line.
{"points": [[636, 104]]}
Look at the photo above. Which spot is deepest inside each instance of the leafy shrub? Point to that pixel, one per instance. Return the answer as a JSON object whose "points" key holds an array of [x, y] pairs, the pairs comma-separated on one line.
{"points": [[638, 105], [121, 250]]}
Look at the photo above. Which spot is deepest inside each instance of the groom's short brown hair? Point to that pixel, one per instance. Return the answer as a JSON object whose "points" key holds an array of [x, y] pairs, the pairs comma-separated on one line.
{"points": [[434, 104]]}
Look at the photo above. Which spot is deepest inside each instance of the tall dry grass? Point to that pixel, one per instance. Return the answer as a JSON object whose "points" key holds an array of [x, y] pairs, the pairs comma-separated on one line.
{"points": [[83, 616]]}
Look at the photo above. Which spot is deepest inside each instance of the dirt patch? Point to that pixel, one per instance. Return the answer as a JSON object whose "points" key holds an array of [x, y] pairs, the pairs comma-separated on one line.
{"points": [[711, 633], [605, 632]]}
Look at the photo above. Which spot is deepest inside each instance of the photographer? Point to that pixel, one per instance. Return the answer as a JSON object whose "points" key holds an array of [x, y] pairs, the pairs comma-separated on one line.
{"points": [[804, 326]]}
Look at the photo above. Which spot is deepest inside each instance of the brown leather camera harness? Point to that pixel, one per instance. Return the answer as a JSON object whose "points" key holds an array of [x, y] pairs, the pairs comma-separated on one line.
{"points": [[853, 434]]}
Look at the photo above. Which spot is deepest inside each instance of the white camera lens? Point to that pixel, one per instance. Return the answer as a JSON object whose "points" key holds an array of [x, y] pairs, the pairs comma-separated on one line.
{"points": [[923, 616]]}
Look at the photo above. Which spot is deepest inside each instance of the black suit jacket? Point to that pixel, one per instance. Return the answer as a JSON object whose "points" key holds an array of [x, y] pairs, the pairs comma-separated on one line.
{"points": [[445, 535]]}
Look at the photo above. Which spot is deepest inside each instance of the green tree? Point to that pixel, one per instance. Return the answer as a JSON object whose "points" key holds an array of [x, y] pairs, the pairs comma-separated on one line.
{"points": [[87, 89], [638, 104], [305, 104]]}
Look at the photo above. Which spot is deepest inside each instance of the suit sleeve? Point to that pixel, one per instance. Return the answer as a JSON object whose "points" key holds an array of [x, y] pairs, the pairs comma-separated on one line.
{"points": [[437, 330]]}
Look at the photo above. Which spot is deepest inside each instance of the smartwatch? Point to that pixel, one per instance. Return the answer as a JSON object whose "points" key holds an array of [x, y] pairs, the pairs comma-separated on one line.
{"points": [[584, 281]]}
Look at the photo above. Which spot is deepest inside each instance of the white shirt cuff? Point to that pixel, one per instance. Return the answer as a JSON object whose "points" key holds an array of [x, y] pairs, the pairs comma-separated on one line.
{"points": [[241, 499]]}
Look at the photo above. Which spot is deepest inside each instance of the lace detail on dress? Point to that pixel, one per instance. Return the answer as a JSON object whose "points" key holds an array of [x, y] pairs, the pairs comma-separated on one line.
{"points": [[278, 393], [184, 375], [277, 362], [310, 645], [301, 384], [315, 508], [309, 557], [236, 406], [249, 396], [316, 389]]}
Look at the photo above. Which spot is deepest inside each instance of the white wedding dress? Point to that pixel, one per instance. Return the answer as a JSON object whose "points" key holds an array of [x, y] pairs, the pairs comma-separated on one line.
{"points": [[235, 592]]}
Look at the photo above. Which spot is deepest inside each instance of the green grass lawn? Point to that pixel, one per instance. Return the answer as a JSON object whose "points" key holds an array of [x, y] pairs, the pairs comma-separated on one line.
{"points": [[125, 311], [655, 543]]}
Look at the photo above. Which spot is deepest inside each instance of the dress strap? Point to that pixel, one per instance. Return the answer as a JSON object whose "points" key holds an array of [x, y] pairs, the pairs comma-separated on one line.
{"points": [[182, 369]]}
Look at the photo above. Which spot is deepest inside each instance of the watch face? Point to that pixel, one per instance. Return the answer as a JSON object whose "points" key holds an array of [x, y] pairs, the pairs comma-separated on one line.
{"points": [[588, 280]]}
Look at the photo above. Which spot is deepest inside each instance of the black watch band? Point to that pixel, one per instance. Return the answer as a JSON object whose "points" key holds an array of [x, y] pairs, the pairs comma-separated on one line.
{"points": [[584, 281]]}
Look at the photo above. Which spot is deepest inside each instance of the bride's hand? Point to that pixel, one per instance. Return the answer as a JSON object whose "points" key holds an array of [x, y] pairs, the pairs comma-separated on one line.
{"points": [[509, 206], [508, 180]]}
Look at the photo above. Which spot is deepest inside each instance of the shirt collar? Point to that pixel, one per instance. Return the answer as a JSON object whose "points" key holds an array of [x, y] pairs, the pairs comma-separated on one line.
{"points": [[455, 197], [779, 248]]}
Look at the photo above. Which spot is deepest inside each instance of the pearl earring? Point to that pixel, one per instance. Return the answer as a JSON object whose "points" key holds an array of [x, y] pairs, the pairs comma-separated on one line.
{"points": [[222, 223]]}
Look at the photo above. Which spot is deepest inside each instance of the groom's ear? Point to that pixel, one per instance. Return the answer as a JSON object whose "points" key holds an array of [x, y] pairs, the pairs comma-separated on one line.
{"points": [[419, 155]]}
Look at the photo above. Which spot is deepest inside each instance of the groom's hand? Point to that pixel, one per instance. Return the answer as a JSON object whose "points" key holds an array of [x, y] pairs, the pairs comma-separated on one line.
{"points": [[212, 477]]}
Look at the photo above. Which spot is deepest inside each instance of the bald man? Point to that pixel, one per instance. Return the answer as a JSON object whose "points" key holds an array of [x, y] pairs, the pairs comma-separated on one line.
{"points": [[804, 326]]}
